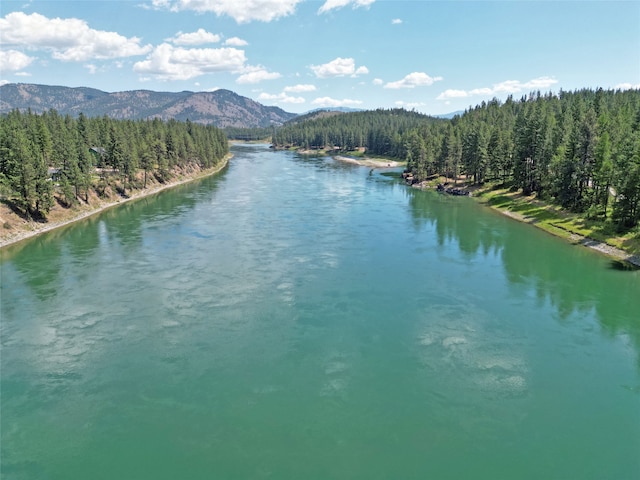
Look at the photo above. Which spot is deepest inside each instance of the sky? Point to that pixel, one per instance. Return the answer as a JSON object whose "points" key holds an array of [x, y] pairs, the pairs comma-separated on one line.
{"points": [[435, 57]]}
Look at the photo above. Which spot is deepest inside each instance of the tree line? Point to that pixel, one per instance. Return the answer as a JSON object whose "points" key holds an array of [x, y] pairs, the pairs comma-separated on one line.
{"points": [[380, 131], [43, 154], [579, 149], [248, 134]]}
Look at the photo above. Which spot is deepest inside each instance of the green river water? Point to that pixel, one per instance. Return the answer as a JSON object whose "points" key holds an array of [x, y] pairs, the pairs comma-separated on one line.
{"points": [[301, 318]]}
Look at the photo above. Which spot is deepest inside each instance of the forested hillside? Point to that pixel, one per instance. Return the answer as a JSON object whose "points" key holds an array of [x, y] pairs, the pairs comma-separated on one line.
{"points": [[578, 149], [49, 153], [381, 132]]}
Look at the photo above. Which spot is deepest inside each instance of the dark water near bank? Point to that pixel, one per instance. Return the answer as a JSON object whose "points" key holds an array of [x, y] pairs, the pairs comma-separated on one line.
{"points": [[305, 319]]}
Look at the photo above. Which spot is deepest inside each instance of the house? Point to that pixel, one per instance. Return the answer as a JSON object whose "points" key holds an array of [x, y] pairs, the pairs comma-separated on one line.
{"points": [[54, 174], [99, 153]]}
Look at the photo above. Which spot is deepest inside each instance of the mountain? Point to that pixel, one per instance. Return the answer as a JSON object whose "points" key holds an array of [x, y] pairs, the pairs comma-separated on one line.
{"points": [[335, 109], [449, 116], [222, 108]]}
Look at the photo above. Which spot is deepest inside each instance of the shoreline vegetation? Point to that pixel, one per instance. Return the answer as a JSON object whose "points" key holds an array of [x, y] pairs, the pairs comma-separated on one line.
{"points": [[22, 229], [58, 169]]}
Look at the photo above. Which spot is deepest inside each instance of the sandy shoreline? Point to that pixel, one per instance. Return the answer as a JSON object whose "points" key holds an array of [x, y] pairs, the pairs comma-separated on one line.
{"points": [[368, 162], [39, 228]]}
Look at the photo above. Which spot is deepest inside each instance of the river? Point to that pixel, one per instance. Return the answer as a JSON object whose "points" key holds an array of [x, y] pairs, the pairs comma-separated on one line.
{"points": [[302, 318]]}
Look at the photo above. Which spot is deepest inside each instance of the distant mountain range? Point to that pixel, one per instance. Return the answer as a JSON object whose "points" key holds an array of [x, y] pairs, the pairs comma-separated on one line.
{"points": [[334, 109], [449, 116], [222, 108]]}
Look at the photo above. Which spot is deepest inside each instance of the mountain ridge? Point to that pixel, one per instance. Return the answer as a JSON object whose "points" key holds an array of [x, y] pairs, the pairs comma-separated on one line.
{"points": [[222, 108]]}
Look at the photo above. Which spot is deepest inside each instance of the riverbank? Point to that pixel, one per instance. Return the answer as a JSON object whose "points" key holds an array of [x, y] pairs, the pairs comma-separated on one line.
{"points": [[556, 229], [15, 229], [562, 223]]}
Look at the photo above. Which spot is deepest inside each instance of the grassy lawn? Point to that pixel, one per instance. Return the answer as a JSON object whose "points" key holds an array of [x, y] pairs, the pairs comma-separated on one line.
{"points": [[557, 221]]}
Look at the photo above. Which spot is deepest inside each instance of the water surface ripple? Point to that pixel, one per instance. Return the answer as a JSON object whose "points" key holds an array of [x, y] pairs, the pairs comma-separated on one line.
{"points": [[299, 318]]}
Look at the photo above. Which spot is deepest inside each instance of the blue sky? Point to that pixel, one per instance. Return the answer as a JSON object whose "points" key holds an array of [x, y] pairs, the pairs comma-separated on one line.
{"points": [[432, 56]]}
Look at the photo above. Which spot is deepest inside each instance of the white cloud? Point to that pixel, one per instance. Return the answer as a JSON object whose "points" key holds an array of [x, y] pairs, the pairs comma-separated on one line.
{"points": [[4, 82], [481, 91], [242, 11], [23, 74], [415, 79], [339, 68], [280, 98], [167, 62], [199, 37], [627, 86], [68, 39], [452, 93], [236, 42], [333, 4], [256, 75], [332, 102], [396, 21], [377, 81], [12, 60], [538, 83], [300, 88], [508, 86]]}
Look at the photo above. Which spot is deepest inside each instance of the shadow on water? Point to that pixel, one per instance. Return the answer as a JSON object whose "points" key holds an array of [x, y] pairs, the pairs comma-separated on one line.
{"points": [[573, 279], [40, 267], [623, 266], [455, 221], [395, 174], [40, 259]]}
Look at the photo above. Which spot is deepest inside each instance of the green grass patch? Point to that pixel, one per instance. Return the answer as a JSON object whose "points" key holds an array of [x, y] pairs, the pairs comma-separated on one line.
{"points": [[556, 220], [354, 153]]}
